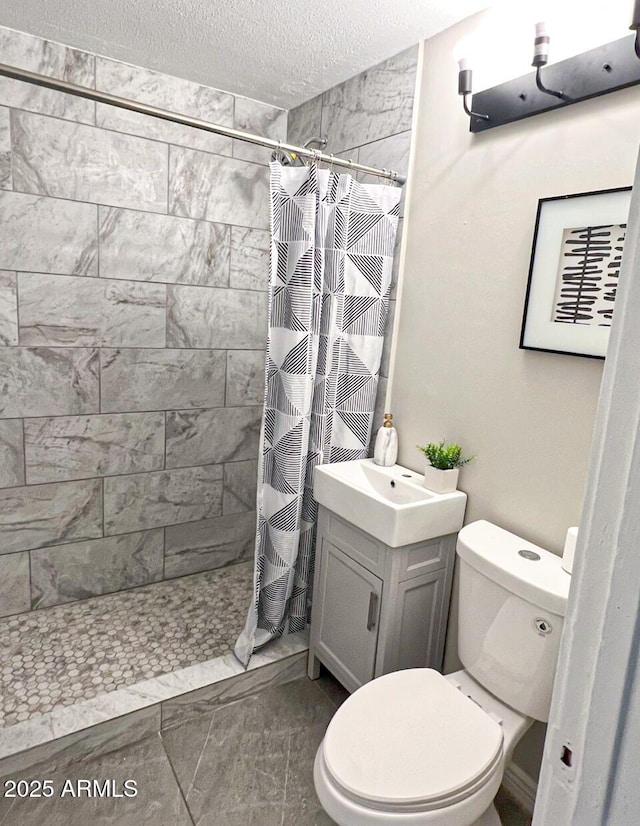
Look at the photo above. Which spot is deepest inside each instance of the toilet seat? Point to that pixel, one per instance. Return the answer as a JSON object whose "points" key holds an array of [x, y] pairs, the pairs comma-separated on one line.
{"points": [[410, 741]]}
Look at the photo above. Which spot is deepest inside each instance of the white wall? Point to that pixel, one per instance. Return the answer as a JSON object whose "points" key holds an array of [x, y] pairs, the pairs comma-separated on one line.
{"points": [[457, 371]]}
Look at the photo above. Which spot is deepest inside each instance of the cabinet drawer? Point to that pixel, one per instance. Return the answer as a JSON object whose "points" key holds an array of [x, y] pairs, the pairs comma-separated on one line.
{"points": [[424, 557], [355, 543]]}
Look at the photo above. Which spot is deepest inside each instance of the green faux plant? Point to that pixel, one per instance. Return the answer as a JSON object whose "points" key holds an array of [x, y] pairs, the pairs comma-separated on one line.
{"points": [[444, 456]]}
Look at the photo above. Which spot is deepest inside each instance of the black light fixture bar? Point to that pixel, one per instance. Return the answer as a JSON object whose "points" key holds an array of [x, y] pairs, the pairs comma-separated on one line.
{"points": [[590, 74]]}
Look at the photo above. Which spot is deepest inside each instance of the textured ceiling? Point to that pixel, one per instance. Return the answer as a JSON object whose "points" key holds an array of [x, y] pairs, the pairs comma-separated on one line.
{"points": [[279, 52]]}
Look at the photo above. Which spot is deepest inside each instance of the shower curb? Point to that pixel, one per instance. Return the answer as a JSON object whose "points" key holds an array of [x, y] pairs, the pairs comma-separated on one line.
{"points": [[118, 718]]}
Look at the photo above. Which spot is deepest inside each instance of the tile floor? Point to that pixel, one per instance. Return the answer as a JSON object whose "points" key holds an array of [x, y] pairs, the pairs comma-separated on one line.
{"points": [[69, 653], [248, 763]]}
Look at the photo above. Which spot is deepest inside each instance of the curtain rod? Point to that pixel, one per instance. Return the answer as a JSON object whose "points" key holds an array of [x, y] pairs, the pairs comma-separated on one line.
{"points": [[163, 114]]}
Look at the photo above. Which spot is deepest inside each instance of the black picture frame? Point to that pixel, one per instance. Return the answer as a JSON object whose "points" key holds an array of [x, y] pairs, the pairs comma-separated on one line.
{"points": [[568, 303]]}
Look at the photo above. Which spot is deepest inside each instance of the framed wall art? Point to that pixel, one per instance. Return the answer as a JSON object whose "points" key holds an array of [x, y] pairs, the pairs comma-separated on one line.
{"points": [[573, 275]]}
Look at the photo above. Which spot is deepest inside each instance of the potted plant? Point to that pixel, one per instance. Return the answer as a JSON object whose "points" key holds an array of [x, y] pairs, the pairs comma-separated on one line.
{"points": [[443, 463]]}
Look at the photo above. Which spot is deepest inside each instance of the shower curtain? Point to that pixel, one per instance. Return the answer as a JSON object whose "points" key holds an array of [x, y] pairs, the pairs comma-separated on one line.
{"points": [[332, 244]]}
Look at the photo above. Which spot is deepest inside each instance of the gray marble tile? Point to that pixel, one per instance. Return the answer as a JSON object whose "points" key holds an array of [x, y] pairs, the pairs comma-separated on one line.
{"points": [[144, 246], [250, 250], [259, 815], [305, 121], [5, 149], [47, 235], [372, 105], [388, 337], [39, 515], [8, 309], [47, 58], [235, 779], [11, 453], [78, 447], [209, 544], [185, 743], [300, 795], [204, 317], [150, 500], [309, 812], [283, 707], [161, 379], [68, 573], [386, 153], [245, 377], [234, 776], [14, 584], [70, 160], [269, 667], [240, 484], [218, 189], [167, 92], [70, 311], [44, 740], [158, 802], [260, 119], [48, 381], [220, 435]]}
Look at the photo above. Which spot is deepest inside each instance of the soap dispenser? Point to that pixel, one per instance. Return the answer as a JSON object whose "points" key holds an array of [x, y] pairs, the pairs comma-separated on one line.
{"points": [[385, 451]]}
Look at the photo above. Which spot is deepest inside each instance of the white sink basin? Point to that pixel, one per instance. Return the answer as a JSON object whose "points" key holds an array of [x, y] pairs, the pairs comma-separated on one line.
{"points": [[389, 503]]}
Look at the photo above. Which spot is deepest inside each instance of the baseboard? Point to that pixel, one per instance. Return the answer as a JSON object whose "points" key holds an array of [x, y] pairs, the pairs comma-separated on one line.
{"points": [[520, 786]]}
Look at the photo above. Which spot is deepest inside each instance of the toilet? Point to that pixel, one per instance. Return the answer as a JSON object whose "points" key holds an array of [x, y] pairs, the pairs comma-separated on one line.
{"points": [[415, 748]]}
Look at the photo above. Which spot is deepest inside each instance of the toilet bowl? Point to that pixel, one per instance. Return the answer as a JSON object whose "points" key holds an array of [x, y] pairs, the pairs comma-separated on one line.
{"points": [[415, 748]]}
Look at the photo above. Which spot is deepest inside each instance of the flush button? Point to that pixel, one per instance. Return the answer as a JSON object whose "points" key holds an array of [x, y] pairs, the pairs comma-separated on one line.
{"points": [[532, 555]]}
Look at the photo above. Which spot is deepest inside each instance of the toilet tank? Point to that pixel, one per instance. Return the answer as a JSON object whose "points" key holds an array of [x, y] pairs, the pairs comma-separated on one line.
{"points": [[513, 599]]}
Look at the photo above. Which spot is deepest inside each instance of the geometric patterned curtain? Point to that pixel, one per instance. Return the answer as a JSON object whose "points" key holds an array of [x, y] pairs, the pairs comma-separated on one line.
{"points": [[332, 244]]}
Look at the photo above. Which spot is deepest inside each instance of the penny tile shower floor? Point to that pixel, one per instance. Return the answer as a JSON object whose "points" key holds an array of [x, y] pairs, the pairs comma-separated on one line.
{"points": [[62, 655]]}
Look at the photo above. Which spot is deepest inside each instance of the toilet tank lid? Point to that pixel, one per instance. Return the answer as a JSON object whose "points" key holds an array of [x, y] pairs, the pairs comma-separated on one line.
{"points": [[494, 552]]}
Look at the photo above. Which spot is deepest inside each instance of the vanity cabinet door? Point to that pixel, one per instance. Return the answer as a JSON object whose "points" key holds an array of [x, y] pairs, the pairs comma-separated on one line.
{"points": [[346, 613], [418, 626]]}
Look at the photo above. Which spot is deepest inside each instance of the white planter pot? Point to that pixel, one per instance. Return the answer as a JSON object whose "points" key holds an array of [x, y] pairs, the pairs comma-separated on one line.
{"points": [[440, 481]]}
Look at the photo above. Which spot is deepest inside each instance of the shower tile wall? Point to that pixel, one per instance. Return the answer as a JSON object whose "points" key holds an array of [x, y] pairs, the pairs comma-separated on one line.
{"points": [[368, 119], [133, 312]]}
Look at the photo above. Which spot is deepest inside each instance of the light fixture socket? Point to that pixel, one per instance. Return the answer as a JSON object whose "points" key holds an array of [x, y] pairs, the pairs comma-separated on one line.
{"points": [[541, 58], [465, 81], [465, 85], [540, 46]]}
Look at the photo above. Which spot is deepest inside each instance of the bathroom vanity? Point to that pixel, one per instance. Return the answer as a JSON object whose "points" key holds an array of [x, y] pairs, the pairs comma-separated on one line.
{"points": [[377, 606]]}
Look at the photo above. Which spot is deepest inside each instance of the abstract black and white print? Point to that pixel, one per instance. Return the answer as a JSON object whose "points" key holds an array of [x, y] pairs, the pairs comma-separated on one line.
{"points": [[588, 272], [331, 265]]}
